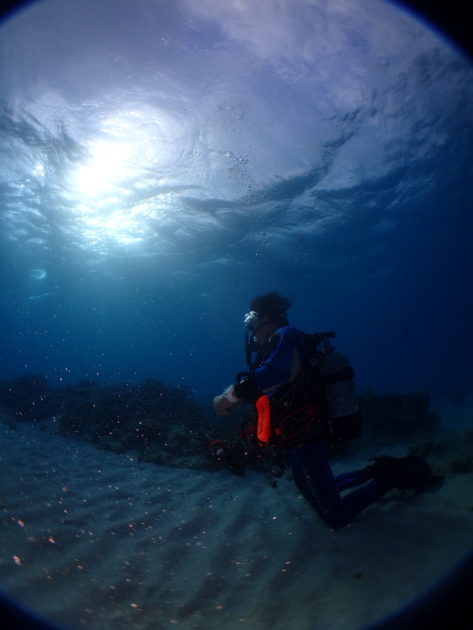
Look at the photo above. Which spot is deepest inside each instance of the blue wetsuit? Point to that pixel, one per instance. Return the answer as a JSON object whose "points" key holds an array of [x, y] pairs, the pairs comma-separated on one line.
{"points": [[310, 460]]}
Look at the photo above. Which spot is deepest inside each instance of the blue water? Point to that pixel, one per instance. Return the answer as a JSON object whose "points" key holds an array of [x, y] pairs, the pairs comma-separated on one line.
{"points": [[163, 162]]}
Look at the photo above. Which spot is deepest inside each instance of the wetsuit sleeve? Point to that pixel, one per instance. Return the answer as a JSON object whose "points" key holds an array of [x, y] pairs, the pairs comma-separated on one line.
{"points": [[283, 363]]}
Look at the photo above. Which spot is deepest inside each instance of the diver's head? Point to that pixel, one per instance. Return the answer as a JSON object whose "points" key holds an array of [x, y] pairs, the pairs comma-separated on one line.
{"points": [[267, 312]]}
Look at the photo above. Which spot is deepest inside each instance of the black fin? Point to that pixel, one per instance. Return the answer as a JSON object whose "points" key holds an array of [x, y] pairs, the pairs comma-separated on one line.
{"points": [[404, 473]]}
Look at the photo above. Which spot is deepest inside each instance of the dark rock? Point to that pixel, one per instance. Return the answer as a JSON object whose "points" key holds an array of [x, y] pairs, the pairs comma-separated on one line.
{"points": [[452, 454], [462, 464], [397, 416], [29, 397]]}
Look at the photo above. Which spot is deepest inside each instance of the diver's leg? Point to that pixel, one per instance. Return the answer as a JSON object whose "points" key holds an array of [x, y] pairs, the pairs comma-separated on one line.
{"points": [[351, 479], [314, 478]]}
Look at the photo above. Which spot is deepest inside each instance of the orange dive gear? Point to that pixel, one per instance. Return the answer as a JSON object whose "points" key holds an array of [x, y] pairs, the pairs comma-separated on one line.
{"points": [[263, 409]]}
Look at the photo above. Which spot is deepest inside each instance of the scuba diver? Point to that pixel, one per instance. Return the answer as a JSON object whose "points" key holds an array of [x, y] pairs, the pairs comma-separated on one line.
{"points": [[303, 395]]}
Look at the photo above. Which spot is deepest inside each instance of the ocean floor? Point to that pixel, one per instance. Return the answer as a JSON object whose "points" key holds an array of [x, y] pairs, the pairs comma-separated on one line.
{"points": [[93, 539]]}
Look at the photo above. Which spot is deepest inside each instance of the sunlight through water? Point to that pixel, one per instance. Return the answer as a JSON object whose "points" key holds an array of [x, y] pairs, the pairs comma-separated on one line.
{"points": [[126, 161]]}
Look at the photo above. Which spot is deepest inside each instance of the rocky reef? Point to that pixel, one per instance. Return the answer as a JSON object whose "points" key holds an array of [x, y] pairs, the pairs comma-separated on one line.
{"points": [[28, 398], [159, 422], [164, 424], [397, 416]]}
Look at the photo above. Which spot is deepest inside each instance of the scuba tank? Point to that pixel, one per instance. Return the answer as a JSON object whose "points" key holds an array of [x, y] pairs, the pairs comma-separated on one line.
{"points": [[337, 376]]}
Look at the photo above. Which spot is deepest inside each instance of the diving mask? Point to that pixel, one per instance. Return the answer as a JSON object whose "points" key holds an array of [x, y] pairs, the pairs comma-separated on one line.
{"points": [[252, 320]]}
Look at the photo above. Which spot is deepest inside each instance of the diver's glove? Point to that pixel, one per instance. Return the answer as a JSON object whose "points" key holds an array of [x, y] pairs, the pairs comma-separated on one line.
{"points": [[223, 402]]}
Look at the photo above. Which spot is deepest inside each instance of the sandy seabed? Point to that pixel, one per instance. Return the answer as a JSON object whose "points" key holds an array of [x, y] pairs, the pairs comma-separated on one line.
{"points": [[92, 539]]}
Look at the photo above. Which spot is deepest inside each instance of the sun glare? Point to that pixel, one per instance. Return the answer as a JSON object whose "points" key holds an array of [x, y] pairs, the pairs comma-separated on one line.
{"points": [[114, 190], [104, 169]]}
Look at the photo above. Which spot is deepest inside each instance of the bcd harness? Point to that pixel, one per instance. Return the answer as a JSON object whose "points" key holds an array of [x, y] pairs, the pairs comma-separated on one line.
{"points": [[321, 400]]}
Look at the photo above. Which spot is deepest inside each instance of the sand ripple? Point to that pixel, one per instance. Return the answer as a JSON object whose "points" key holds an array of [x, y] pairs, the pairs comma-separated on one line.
{"points": [[92, 539]]}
